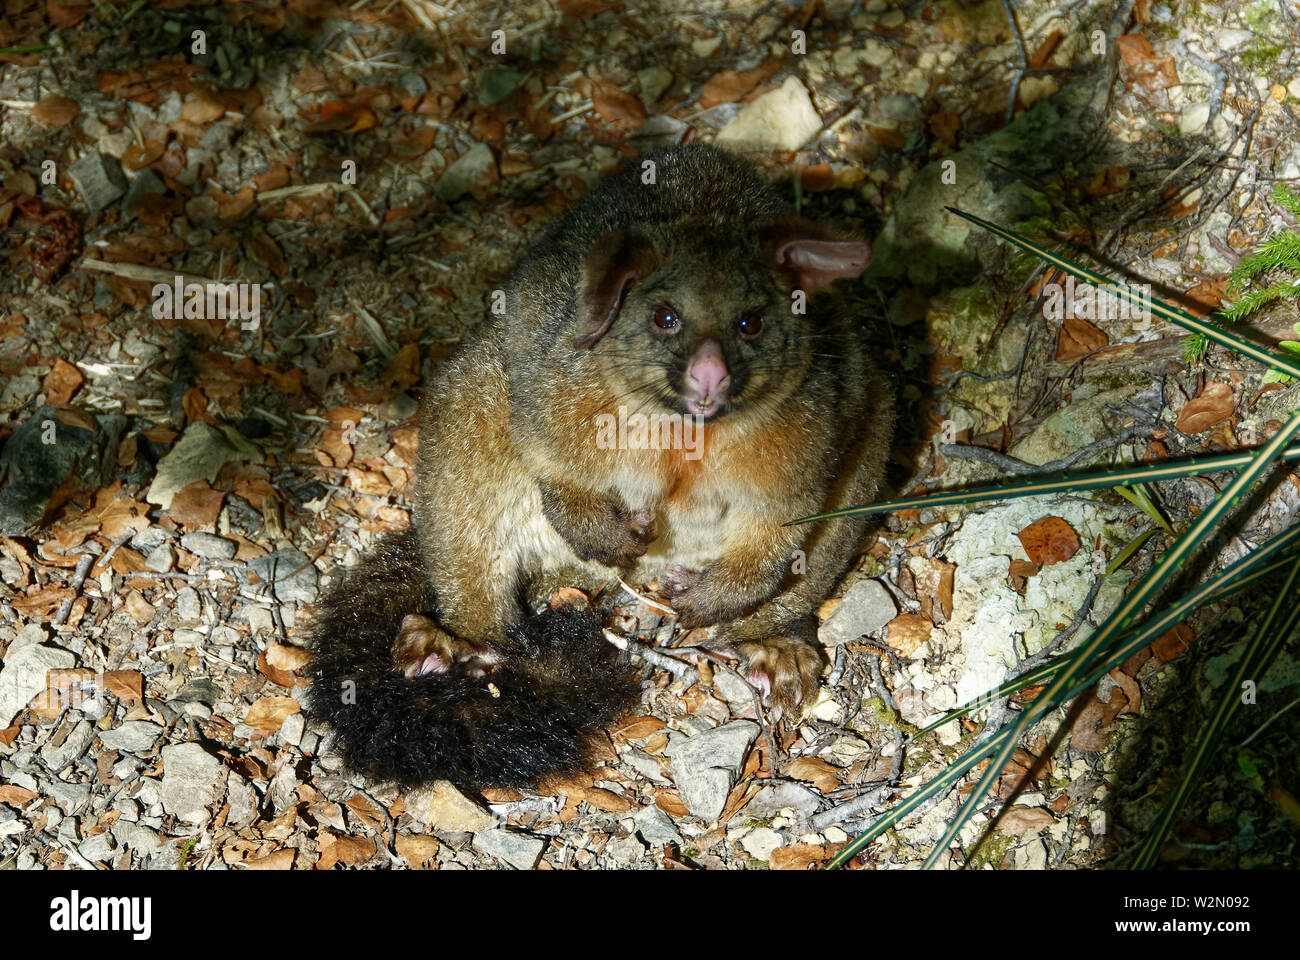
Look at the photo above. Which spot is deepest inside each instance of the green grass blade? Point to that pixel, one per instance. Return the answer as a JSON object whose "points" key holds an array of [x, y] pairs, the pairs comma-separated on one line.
{"points": [[1119, 621], [1213, 589], [1043, 486], [1126, 554], [1255, 661], [1158, 307], [1138, 496], [1038, 675]]}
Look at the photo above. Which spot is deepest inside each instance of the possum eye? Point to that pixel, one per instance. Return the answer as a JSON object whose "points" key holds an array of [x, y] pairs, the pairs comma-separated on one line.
{"points": [[750, 325], [664, 318]]}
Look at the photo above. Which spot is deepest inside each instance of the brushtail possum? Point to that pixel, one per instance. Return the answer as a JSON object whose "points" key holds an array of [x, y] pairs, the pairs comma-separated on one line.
{"points": [[665, 387]]}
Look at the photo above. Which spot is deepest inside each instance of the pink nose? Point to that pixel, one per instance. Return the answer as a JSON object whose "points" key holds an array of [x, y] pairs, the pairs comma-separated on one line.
{"points": [[707, 377]]}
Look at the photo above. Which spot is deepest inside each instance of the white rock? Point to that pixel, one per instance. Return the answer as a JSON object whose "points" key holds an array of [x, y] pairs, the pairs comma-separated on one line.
{"points": [[161, 558], [1233, 39], [133, 736], [655, 826], [783, 795], [865, 609], [519, 850], [626, 851], [260, 619], [70, 750], [189, 782], [442, 806], [707, 765], [292, 728], [1192, 120], [876, 53], [760, 842], [654, 81], [25, 664], [782, 119], [463, 175]]}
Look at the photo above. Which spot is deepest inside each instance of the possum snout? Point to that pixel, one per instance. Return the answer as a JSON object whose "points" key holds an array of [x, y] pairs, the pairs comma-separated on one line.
{"points": [[707, 379]]}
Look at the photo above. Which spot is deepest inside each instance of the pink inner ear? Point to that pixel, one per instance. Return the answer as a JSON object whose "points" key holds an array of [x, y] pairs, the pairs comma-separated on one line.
{"points": [[611, 309], [616, 261], [819, 262]]}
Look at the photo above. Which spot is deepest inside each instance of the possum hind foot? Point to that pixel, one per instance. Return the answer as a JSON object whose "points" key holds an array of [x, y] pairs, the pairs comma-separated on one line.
{"points": [[422, 647], [787, 670]]}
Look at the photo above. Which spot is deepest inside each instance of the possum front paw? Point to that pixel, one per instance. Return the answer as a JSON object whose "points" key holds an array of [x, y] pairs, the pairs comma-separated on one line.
{"points": [[422, 647], [628, 539], [703, 597], [786, 670], [691, 597], [617, 539], [597, 527]]}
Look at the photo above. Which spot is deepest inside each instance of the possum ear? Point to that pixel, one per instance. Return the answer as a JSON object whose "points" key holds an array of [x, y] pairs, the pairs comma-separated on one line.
{"points": [[814, 256], [616, 261]]}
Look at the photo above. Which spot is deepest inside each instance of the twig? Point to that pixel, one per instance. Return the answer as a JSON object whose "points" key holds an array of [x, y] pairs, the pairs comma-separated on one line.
{"points": [[78, 578], [682, 671], [1019, 468], [1024, 59], [838, 670], [1220, 81], [862, 803], [653, 604], [1247, 741], [1038, 659]]}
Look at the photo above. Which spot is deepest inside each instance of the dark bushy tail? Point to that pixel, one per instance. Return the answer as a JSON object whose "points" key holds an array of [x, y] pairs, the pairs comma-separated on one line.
{"points": [[526, 720]]}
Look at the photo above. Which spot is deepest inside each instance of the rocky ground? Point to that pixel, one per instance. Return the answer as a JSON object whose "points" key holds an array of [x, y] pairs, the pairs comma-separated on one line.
{"points": [[377, 167]]}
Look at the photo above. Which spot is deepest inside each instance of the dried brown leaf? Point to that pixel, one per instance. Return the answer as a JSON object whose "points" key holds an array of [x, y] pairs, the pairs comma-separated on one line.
{"points": [[56, 111], [637, 728], [1078, 338], [419, 850], [1172, 642], [1025, 822], [617, 107], [196, 505], [1049, 540], [1213, 405], [798, 856], [907, 631], [268, 713], [822, 775], [124, 684]]}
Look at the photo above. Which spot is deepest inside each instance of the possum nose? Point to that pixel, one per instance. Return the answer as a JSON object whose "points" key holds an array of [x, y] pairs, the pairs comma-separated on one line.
{"points": [[707, 376]]}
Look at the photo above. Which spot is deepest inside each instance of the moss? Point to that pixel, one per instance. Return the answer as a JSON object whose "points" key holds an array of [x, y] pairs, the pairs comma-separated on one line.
{"points": [[871, 567], [991, 851], [876, 709], [1261, 56], [1259, 16], [185, 849]]}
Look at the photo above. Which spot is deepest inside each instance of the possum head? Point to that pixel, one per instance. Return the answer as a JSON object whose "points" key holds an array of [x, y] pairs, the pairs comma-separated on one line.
{"points": [[705, 320]]}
